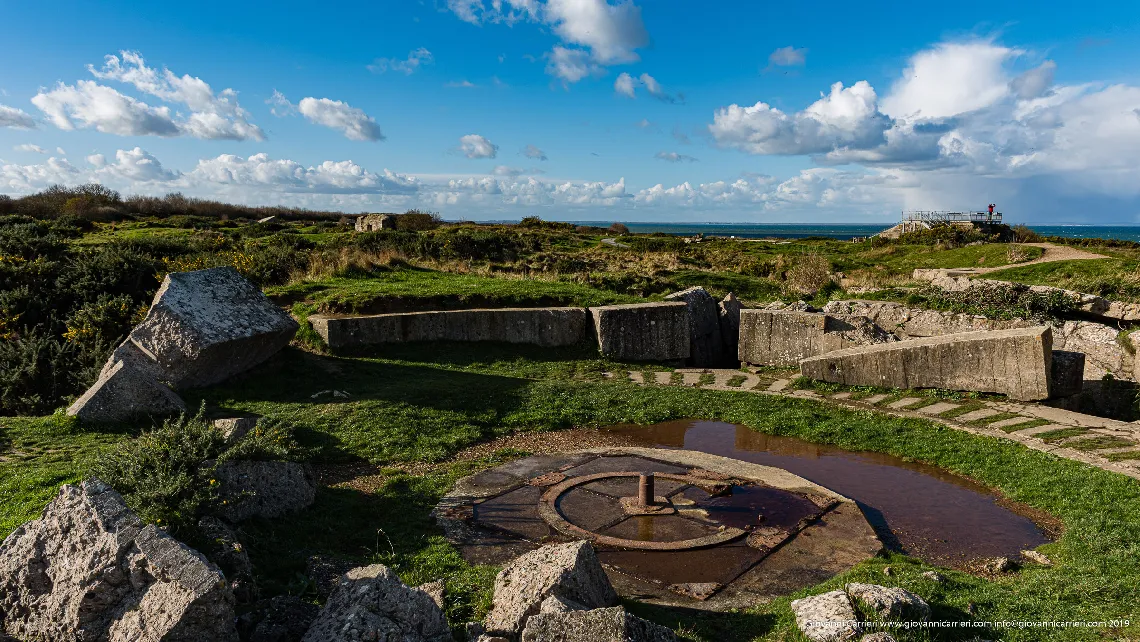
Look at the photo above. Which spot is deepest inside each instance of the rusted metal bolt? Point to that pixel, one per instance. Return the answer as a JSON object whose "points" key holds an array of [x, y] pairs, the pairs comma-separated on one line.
{"points": [[645, 489]]}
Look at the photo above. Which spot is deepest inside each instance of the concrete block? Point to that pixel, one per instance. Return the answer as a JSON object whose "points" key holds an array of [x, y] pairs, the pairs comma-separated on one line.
{"points": [[705, 347], [784, 338], [1067, 373], [123, 393], [1016, 363], [549, 327], [643, 331]]}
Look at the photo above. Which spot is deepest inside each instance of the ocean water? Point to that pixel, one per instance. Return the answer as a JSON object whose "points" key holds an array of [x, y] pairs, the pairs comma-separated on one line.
{"points": [[1122, 232]]}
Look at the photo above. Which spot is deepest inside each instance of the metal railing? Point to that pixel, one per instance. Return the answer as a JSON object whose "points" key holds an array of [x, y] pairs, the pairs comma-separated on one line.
{"points": [[949, 217]]}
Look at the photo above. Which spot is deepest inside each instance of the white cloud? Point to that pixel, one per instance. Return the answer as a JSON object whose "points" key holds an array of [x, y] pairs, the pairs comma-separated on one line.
{"points": [[1035, 82], [260, 172], [212, 116], [950, 79], [624, 85], [571, 65], [21, 179], [505, 11], [59, 150], [476, 146], [279, 105], [28, 147], [12, 117], [512, 172], [407, 66], [846, 117], [787, 57], [461, 84], [352, 122], [133, 166], [674, 157], [532, 152], [88, 104]]}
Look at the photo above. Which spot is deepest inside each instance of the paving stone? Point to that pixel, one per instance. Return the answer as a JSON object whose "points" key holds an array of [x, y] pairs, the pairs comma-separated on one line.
{"points": [[874, 399], [937, 408], [637, 377], [1012, 421], [778, 385], [974, 415], [691, 378], [904, 402], [663, 378], [1037, 430], [1112, 451], [841, 395]]}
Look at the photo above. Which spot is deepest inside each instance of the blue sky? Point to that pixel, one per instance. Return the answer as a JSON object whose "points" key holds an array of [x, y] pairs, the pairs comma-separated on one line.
{"points": [[648, 110]]}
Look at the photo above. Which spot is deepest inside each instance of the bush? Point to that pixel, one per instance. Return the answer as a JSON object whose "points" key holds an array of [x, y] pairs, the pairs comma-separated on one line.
{"points": [[37, 370], [998, 301], [1022, 234], [810, 274], [418, 221], [618, 228]]}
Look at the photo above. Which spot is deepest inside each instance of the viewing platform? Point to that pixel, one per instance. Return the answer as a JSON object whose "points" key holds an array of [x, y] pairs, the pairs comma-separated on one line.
{"points": [[914, 220]]}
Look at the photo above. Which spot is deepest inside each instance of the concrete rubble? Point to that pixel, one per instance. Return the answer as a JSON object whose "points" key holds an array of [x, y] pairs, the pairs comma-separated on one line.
{"points": [[786, 337], [547, 327], [706, 347], [643, 331], [371, 603]]}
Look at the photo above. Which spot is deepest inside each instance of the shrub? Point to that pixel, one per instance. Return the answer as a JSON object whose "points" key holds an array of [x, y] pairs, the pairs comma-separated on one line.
{"points": [[36, 371], [809, 274], [998, 301], [618, 228], [418, 221], [1023, 234]]}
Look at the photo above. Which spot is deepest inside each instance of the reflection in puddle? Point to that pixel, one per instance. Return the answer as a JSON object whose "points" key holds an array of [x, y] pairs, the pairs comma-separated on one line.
{"points": [[918, 509]]}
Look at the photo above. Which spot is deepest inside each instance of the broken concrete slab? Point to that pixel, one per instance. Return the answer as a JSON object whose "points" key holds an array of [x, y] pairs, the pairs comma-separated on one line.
{"points": [[784, 337], [643, 331], [729, 314], [89, 570], [371, 603], [122, 393], [706, 348], [1067, 375], [208, 325], [889, 603], [548, 327], [1016, 363]]}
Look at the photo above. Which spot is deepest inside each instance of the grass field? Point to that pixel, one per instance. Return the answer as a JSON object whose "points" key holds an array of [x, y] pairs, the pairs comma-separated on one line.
{"points": [[408, 403]]}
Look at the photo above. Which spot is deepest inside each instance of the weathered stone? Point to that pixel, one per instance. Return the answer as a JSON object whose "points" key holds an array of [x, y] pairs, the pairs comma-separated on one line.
{"points": [[784, 338], [235, 428], [325, 571], [208, 325], [643, 331], [828, 617], [371, 603], [912, 323], [284, 618], [1037, 558], [1067, 376], [557, 604], [123, 393], [706, 349], [934, 576], [569, 571], [881, 636], [435, 591], [89, 570], [599, 625], [729, 315], [549, 327], [264, 488], [1016, 363], [890, 603], [999, 565], [222, 547], [375, 222]]}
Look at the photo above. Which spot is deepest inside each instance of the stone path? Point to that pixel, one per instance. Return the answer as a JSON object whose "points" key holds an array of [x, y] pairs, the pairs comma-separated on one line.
{"points": [[1105, 443]]}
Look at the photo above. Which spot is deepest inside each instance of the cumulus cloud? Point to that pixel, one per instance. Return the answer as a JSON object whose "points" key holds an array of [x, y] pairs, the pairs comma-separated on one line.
{"points": [[845, 117], [674, 157], [88, 104], [21, 179], [212, 116], [352, 122], [461, 84], [626, 85], [12, 117], [28, 147], [476, 146], [950, 79], [259, 171], [787, 57], [134, 166], [1035, 82], [532, 152], [407, 66], [571, 65]]}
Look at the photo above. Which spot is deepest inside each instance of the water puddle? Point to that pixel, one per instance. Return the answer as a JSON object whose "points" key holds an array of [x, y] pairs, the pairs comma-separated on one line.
{"points": [[917, 509]]}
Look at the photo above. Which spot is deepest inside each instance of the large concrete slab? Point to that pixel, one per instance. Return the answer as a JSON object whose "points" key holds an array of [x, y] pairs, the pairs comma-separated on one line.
{"points": [[706, 347], [1016, 363], [549, 327], [643, 331], [785, 337]]}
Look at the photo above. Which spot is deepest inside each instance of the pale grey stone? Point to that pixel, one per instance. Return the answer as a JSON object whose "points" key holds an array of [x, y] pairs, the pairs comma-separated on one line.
{"points": [[643, 331], [264, 488], [728, 314], [370, 603], [598, 625], [828, 617], [235, 428], [706, 348], [890, 603], [123, 393], [548, 327], [786, 337]]}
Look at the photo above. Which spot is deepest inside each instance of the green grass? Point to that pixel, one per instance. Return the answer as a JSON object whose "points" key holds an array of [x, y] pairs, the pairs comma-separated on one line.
{"points": [[417, 403], [1054, 436], [410, 288], [1032, 423], [1101, 442], [1114, 278]]}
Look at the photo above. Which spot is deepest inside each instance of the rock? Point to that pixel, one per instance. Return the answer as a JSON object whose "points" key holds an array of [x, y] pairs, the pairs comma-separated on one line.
{"points": [[325, 571], [89, 570], [599, 625], [1037, 558], [473, 631], [881, 636], [555, 604], [223, 548], [643, 331], [934, 576], [264, 488], [284, 618], [890, 603], [569, 571], [784, 337], [435, 591], [828, 617], [706, 349], [371, 603], [728, 314], [887, 571], [123, 393], [999, 565], [1068, 373], [208, 325], [235, 428]]}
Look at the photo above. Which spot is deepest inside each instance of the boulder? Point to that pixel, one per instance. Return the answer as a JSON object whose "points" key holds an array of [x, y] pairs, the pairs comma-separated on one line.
{"points": [[208, 325], [284, 618], [706, 349], [828, 617], [235, 428], [264, 488], [122, 393], [643, 331], [222, 547], [436, 590], [729, 316], [569, 571], [371, 603], [890, 603], [599, 625], [89, 570], [881, 636], [786, 337]]}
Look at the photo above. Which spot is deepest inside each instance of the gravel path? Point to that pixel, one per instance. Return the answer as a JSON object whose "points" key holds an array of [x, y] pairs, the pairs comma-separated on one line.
{"points": [[1052, 253]]}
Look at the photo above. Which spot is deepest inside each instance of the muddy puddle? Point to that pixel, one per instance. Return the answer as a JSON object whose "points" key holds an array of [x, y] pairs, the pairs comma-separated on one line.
{"points": [[916, 509]]}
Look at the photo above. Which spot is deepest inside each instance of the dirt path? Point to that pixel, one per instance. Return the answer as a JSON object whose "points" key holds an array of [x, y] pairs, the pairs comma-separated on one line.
{"points": [[1052, 253]]}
